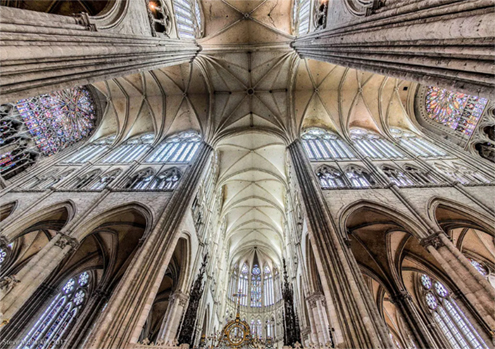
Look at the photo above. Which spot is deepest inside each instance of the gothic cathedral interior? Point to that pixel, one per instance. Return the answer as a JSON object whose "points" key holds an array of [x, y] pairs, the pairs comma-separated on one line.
{"points": [[247, 174]]}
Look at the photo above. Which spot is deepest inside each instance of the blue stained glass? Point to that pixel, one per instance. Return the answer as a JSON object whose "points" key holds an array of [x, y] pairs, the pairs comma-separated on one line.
{"points": [[58, 119]]}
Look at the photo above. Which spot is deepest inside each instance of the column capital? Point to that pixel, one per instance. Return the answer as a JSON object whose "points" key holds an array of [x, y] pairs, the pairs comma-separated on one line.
{"points": [[401, 296], [434, 240], [4, 241], [66, 240]]}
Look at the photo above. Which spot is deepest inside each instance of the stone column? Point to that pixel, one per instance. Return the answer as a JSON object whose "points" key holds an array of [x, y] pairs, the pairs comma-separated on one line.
{"points": [[359, 323], [32, 275], [413, 320], [318, 318], [124, 317], [40, 53], [171, 320], [475, 288], [445, 43]]}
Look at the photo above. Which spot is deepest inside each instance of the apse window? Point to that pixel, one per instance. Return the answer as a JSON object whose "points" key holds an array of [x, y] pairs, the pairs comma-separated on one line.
{"points": [[188, 18]]}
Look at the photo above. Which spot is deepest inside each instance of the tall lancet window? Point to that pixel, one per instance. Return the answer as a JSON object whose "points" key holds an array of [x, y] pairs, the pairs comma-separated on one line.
{"points": [[188, 17], [301, 16], [244, 284], [91, 151], [417, 145], [59, 316], [450, 318], [374, 146], [458, 111], [268, 296], [177, 148], [320, 145], [130, 150], [256, 286]]}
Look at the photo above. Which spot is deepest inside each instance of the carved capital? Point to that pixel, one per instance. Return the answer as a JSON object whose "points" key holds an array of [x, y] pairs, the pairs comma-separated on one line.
{"points": [[402, 296], [66, 240], [432, 240], [4, 242], [7, 283], [180, 297]]}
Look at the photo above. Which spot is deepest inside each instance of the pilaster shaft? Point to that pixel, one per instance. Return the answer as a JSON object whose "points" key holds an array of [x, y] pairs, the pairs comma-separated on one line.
{"points": [[40, 53], [124, 317], [359, 322], [444, 43]]}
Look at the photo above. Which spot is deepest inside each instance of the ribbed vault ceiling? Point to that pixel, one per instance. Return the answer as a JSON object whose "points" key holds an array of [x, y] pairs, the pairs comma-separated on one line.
{"points": [[249, 95]]}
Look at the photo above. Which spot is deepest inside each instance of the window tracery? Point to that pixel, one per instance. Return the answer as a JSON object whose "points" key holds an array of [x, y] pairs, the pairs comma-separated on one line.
{"points": [[160, 18], [131, 150], [397, 177], [320, 144], [188, 18], [268, 297], [104, 180], [373, 145], [42, 126], [243, 284], [85, 180], [458, 111], [147, 180], [359, 177], [330, 177], [48, 180], [417, 145], [420, 177], [450, 318], [91, 151], [463, 174], [55, 322], [256, 287], [177, 148]]}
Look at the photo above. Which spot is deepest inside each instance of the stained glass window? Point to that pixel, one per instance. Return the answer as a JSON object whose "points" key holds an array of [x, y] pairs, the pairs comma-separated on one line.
{"points": [[320, 144], [130, 150], [268, 296], [177, 148], [359, 177], [256, 286], [397, 177], [330, 177], [3, 256], [243, 284], [301, 16], [58, 119], [478, 266], [458, 111], [188, 18], [373, 145], [147, 180], [417, 145], [450, 318], [421, 177], [55, 322], [92, 151], [463, 174]]}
